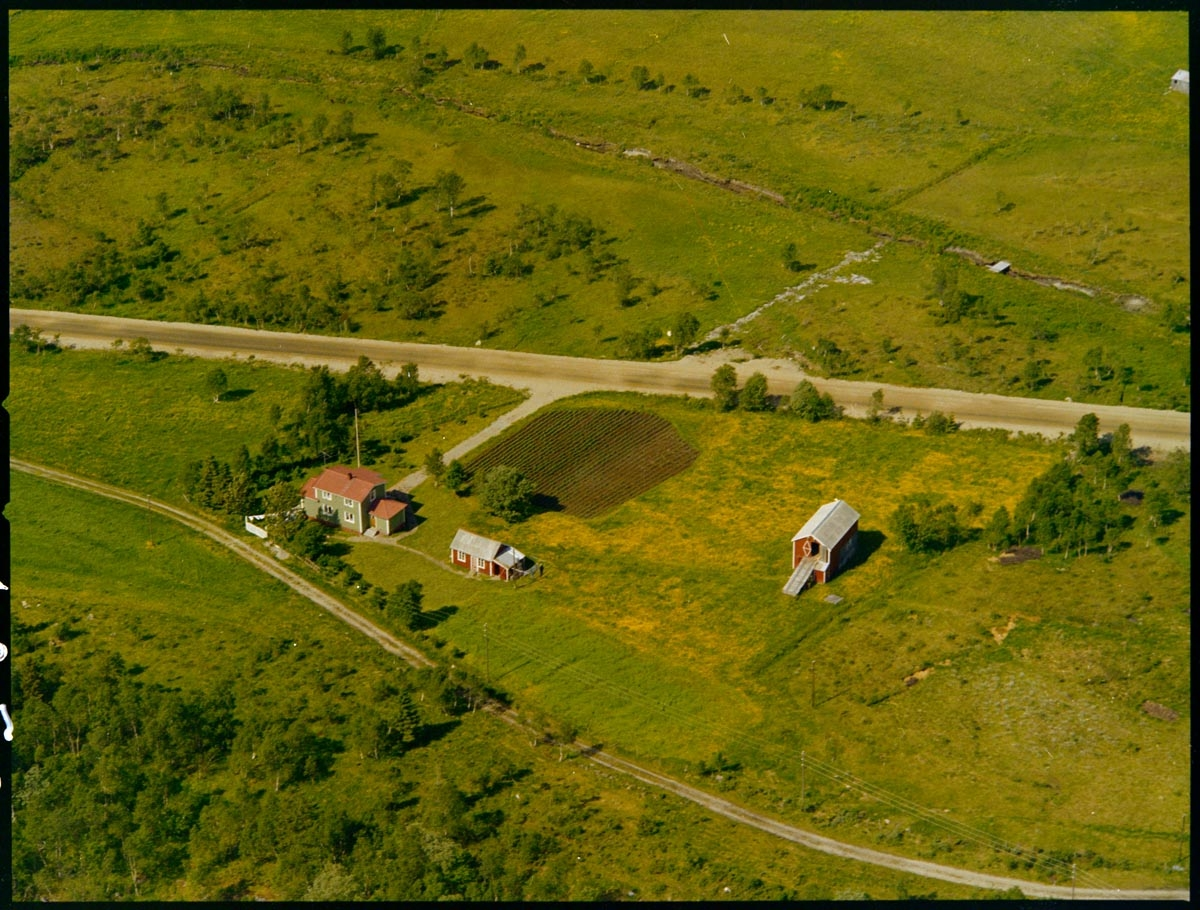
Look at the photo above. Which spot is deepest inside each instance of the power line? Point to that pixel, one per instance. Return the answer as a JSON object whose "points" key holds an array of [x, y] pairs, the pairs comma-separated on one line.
{"points": [[826, 770]]}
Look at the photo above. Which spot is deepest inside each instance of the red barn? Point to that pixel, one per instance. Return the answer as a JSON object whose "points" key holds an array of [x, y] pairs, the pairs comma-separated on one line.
{"points": [[484, 556], [823, 547]]}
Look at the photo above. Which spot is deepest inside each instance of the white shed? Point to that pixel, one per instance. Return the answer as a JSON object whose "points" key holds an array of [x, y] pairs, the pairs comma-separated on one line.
{"points": [[1181, 82]]}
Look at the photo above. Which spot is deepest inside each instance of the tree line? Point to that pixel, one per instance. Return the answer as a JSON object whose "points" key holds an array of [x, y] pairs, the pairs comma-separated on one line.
{"points": [[318, 429], [806, 401], [1073, 507], [122, 788]]}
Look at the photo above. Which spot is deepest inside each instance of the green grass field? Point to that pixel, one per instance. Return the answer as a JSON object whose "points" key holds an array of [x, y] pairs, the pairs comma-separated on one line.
{"points": [[160, 413], [1008, 699], [1068, 164], [888, 329], [659, 628], [189, 617]]}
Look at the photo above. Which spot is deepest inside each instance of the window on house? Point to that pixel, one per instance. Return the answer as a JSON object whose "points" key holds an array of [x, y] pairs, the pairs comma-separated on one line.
{"points": [[347, 501], [348, 517], [480, 563], [325, 494]]}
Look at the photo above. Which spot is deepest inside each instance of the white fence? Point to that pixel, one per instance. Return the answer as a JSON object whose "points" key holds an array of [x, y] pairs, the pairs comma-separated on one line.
{"points": [[255, 529]]}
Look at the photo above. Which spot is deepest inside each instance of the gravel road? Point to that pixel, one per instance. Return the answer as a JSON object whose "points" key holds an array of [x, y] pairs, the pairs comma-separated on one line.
{"points": [[550, 376]]}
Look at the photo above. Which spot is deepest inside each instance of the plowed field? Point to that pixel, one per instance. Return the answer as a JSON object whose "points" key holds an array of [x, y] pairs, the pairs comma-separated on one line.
{"points": [[586, 461]]}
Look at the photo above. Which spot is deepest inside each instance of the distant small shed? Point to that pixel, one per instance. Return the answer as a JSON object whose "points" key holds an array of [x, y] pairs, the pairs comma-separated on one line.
{"points": [[1181, 82], [823, 547], [1000, 267]]}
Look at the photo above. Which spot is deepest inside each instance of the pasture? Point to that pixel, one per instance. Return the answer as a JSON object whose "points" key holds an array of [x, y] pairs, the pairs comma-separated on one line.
{"points": [[659, 629], [587, 461], [885, 320], [1007, 698], [1068, 166], [108, 415], [189, 617]]}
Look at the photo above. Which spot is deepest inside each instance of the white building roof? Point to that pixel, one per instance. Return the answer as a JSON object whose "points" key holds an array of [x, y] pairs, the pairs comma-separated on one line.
{"points": [[829, 524], [475, 545], [509, 557], [486, 548], [1001, 267]]}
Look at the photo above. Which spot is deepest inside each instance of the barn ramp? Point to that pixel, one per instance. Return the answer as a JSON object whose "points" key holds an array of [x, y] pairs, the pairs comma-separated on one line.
{"points": [[800, 576]]}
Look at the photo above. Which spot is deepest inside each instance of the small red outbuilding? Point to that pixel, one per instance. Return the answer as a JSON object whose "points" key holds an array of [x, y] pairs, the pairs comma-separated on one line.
{"points": [[823, 547]]}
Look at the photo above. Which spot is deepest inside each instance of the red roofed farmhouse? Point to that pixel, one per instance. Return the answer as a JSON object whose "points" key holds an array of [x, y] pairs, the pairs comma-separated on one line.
{"points": [[355, 499], [823, 547]]}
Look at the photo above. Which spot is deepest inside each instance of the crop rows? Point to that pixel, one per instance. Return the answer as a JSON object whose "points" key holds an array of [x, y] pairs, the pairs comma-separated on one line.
{"points": [[591, 460]]}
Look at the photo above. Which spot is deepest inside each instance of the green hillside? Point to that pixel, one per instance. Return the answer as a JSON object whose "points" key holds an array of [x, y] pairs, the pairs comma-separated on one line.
{"points": [[253, 173]]}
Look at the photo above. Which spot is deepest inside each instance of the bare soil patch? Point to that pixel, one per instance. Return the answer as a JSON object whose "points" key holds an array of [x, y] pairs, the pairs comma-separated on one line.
{"points": [[1001, 632], [915, 678], [587, 461], [1014, 555], [1162, 712]]}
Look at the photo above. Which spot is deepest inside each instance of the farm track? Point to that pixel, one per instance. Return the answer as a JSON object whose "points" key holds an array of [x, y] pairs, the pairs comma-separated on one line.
{"points": [[259, 560], [593, 753], [552, 375]]}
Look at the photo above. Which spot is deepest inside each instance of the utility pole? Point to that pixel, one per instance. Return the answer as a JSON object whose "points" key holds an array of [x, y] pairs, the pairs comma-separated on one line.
{"points": [[803, 790], [812, 685], [357, 448]]}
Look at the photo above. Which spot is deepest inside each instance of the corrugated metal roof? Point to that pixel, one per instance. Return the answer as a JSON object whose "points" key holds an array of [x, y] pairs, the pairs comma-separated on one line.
{"points": [[829, 523], [509, 557], [476, 545]]}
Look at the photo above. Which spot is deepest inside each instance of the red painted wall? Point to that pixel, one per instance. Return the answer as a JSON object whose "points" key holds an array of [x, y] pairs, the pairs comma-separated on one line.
{"points": [[838, 557], [840, 554]]}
